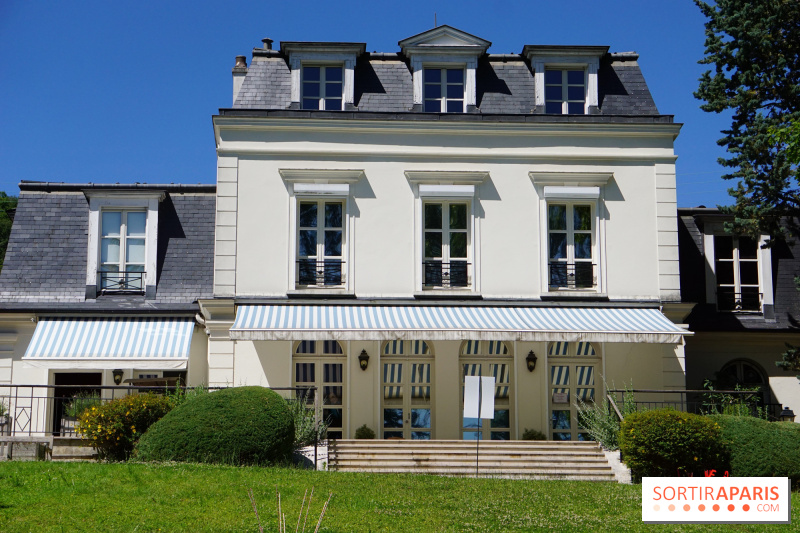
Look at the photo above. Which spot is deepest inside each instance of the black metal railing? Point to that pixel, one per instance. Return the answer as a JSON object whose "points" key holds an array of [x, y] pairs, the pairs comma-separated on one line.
{"points": [[121, 281], [41, 410], [739, 302], [327, 273], [703, 401], [580, 275], [452, 275]]}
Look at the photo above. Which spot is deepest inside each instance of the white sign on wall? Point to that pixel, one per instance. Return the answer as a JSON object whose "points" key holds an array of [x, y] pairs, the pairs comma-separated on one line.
{"points": [[479, 397]]}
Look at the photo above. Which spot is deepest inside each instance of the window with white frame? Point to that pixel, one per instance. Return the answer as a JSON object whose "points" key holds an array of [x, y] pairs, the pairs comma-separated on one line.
{"points": [[737, 277], [320, 243], [565, 91], [571, 245], [443, 90], [446, 244], [122, 250], [322, 87], [488, 358], [321, 364]]}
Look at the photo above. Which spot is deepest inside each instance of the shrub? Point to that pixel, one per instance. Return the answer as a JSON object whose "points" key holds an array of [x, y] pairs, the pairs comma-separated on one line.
{"points": [[241, 425], [81, 402], [600, 420], [307, 429], [364, 432], [533, 434], [114, 427], [671, 443], [761, 449]]}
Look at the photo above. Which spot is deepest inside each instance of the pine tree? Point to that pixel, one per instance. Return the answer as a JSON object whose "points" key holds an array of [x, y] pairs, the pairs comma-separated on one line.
{"points": [[754, 47]]}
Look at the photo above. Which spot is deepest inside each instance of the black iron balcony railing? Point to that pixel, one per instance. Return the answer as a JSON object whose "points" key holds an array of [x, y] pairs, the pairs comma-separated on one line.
{"points": [[327, 273], [452, 275], [578, 275], [739, 302], [122, 281]]}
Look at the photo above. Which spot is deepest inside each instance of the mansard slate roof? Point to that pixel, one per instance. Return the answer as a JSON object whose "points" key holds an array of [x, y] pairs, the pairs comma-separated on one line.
{"points": [[46, 260], [504, 85], [704, 316]]}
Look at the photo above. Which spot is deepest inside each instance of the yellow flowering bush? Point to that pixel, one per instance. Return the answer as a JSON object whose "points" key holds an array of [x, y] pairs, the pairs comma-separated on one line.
{"points": [[113, 428]]}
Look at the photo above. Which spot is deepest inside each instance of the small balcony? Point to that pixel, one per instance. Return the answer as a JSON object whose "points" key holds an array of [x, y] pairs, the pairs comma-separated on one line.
{"points": [[452, 275], [747, 301], [327, 273], [121, 282], [572, 276]]}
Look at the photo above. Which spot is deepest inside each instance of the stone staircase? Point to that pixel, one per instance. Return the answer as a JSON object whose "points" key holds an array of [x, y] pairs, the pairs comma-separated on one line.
{"points": [[72, 449], [498, 459]]}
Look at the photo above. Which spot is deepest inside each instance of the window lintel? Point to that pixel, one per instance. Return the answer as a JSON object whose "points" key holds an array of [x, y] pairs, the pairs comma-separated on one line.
{"points": [[574, 179], [316, 175], [446, 177]]}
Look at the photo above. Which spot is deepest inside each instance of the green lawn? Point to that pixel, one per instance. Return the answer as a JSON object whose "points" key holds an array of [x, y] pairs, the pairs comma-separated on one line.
{"points": [[138, 497]]}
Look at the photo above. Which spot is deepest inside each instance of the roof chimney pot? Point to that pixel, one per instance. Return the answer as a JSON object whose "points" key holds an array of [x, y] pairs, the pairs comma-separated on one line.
{"points": [[267, 43], [241, 62]]}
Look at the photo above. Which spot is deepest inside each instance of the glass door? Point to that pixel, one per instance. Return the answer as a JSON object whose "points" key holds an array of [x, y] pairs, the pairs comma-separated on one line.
{"points": [[572, 380], [407, 400]]}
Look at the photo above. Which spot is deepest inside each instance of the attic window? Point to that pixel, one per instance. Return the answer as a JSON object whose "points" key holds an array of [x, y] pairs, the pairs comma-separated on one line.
{"points": [[565, 78], [323, 74], [565, 91], [322, 87], [444, 90]]}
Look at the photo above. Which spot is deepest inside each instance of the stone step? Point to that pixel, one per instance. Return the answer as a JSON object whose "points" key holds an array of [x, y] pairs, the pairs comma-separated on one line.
{"points": [[511, 459]]}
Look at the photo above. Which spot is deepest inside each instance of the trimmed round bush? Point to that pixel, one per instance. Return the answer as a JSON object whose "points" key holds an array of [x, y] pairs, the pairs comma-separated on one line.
{"points": [[241, 425], [671, 443], [365, 432], [761, 449], [114, 427]]}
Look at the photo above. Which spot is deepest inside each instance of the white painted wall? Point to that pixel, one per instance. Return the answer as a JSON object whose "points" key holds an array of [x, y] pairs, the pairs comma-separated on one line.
{"points": [[640, 254]]}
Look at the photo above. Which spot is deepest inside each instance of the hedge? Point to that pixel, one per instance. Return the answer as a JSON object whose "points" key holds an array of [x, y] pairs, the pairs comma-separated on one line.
{"points": [[761, 449], [671, 443], [240, 425]]}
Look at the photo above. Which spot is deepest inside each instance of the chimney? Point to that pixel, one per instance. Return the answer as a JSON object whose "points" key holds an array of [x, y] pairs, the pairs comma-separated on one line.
{"points": [[239, 72], [267, 43]]}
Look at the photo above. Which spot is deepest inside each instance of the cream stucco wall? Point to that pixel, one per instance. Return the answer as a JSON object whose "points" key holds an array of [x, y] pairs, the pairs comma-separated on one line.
{"points": [[707, 353], [635, 248]]}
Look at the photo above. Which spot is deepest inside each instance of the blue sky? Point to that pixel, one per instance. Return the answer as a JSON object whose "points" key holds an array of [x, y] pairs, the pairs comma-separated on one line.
{"points": [[122, 91]]}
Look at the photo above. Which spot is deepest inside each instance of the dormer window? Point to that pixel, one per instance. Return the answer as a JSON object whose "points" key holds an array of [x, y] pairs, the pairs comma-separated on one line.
{"points": [[565, 91], [122, 250], [322, 87], [565, 78], [443, 65], [123, 242], [444, 90], [323, 74]]}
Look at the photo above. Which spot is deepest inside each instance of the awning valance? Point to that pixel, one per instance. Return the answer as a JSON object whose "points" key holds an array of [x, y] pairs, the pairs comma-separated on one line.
{"points": [[107, 343], [428, 322]]}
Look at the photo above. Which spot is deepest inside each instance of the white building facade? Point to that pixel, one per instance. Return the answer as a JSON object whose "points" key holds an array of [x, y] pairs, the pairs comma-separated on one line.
{"points": [[387, 224]]}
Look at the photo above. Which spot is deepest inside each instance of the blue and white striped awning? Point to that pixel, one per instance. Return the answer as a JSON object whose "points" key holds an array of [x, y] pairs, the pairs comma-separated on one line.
{"points": [[429, 322], [107, 343]]}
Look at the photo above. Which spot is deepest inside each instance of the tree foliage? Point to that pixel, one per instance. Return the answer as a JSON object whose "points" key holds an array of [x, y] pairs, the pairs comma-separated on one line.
{"points": [[754, 48], [7, 204]]}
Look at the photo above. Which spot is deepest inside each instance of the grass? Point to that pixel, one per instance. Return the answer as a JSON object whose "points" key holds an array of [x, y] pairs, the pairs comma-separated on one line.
{"points": [[141, 497]]}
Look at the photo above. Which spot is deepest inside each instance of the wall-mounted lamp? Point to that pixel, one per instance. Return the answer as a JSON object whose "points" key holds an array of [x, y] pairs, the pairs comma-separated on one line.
{"points": [[363, 359], [787, 415], [117, 376], [531, 361]]}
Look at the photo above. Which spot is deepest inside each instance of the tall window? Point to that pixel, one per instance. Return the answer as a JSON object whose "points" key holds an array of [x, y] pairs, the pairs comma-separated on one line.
{"points": [[572, 380], [321, 364], [488, 358], [446, 245], [564, 91], [122, 250], [443, 90], [407, 385], [322, 88], [736, 268], [319, 243], [570, 229]]}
